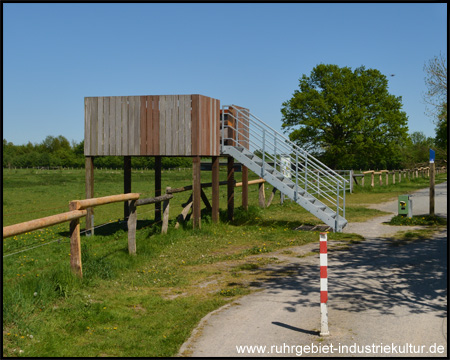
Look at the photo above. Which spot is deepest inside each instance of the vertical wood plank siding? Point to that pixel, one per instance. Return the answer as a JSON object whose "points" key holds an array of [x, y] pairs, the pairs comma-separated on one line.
{"points": [[100, 131], [106, 101], [195, 141], [160, 125], [87, 123], [124, 140]]}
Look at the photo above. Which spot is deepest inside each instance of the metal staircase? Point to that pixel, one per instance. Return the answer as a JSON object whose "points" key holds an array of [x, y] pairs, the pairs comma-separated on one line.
{"points": [[290, 169]]}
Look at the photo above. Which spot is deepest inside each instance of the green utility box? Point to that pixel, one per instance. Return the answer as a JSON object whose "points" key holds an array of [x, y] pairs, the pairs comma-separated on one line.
{"points": [[405, 205]]}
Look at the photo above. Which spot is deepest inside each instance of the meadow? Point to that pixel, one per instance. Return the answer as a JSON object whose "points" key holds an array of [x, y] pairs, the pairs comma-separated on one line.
{"points": [[144, 305]]}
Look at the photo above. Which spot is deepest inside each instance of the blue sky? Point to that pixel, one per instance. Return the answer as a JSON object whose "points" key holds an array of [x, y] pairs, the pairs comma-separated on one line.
{"points": [[245, 54]]}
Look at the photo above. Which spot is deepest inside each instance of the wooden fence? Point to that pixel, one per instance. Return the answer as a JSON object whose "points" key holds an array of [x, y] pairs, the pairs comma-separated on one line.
{"points": [[78, 209], [406, 174]]}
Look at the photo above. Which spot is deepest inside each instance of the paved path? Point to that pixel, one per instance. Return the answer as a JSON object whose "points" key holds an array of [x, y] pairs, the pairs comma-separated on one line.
{"points": [[379, 295]]}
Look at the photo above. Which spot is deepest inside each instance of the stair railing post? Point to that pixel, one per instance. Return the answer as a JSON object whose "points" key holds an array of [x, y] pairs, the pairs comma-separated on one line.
{"points": [[337, 208], [318, 183], [306, 172], [275, 156], [264, 152], [296, 175], [343, 208], [237, 127]]}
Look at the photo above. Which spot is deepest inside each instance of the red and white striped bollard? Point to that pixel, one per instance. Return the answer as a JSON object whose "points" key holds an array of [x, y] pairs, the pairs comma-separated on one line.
{"points": [[323, 285]]}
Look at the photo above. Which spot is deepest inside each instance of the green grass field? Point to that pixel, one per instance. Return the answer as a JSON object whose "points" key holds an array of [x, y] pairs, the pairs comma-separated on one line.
{"points": [[145, 305]]}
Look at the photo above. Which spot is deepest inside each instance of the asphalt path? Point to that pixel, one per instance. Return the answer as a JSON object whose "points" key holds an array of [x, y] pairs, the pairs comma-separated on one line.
{"points": [[384, 299]]}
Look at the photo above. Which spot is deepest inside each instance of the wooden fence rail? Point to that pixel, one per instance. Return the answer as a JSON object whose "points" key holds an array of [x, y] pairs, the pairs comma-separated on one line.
{"points": [[37, 224], [78, 209], [407, 174]]}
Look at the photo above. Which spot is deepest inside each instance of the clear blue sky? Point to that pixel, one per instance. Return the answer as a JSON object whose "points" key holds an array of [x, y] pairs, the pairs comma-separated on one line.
{"points": [[245, 54]]}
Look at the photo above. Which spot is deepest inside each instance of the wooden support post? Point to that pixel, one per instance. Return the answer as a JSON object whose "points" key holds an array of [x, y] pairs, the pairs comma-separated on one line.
{"points": [[245, 188], [381, 179], [205, 199], [432, 183], [262, 196], [230, 188], [126, 184], [271, 196], [196, 189], [89, 168], [215, 189], [75, 243], [165, 224], [132, 221], [373, 180], [182, 217], [158, 188]]}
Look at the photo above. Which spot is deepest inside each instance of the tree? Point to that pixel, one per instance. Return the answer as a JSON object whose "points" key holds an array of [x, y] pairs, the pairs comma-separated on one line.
{"points": [[441, 128], [346, 118], [436, 97], [436, 82]]}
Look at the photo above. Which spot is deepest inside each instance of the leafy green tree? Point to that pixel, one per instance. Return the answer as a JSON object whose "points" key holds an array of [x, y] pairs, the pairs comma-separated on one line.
{"points": [[417, 149], [441, 128], [347, 118]]}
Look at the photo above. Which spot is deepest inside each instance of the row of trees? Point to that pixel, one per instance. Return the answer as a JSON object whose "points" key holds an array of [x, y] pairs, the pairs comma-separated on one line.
{"points": [[349, 120], [59, 152]]}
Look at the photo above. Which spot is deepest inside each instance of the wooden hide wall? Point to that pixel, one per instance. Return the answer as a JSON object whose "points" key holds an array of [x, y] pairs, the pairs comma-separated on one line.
{"points": [[161, 125]]}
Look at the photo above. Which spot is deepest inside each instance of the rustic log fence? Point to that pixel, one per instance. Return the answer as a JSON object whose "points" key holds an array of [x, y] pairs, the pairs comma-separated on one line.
{"points": [[78, 209], [406, 174]]}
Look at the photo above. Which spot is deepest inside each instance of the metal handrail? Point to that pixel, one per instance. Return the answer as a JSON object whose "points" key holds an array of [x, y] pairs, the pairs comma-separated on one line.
{"points": [[314, 177]]}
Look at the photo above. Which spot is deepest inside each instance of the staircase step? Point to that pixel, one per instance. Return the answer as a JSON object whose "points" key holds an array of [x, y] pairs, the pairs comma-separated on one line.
{"points": [[287, 186]]}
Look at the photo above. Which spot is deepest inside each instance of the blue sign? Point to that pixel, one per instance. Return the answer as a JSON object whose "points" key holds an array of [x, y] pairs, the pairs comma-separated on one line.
{"points": [[432, 156]]}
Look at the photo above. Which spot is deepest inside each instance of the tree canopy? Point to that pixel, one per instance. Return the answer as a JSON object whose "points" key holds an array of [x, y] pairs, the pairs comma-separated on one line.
{"points": [[436, 96], [347, 118]]}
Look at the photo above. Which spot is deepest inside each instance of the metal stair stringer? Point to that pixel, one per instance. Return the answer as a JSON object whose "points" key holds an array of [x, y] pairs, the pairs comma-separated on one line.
{"points": [[286, 186]]}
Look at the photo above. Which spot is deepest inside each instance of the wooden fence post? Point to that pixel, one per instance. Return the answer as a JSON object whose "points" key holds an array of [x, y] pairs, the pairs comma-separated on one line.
{"points": [[158, 187], [351, 181], [245, 188], [89, 174], [165, 224], [196, 189], [215, 189], [126, 184], [262, 195], [387, 178], [373, 179], [381, 179], [230, 188], [132, 220], [75, 243], [271, 196], [432, 183]]}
